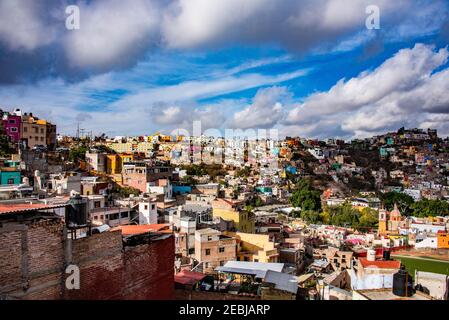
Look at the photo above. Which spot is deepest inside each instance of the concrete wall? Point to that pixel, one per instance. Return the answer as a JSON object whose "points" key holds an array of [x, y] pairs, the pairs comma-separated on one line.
{"points": [[437, 284]]}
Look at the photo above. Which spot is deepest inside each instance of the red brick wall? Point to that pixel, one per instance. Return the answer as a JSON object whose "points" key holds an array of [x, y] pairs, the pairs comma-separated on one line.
{"points": [[10, 253], [32, 262], [100, 260], [149, 270]]}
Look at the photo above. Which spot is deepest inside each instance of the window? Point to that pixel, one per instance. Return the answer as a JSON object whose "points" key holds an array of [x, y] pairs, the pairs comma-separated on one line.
{"points": [[153, 206], [12, 121], [14, 129], [221, 249], [42, 138], [222, 263], [42, 130], [113, 216], [25, 129], [209, 238], [145, 207], [246, 258], [97, 204], [207, 252], [102, 217], [124, 215], [256, 260]]}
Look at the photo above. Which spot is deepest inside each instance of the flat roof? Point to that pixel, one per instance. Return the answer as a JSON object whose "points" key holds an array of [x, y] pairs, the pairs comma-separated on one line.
{"points": [[387, 294], [258, 269]]}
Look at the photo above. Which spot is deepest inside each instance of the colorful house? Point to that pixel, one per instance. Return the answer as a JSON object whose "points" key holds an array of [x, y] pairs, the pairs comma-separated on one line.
{"points": [[232, 210], [12, 126], [10, 176]]}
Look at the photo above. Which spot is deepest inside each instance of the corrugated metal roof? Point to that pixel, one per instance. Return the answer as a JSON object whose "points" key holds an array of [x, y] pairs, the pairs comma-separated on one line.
{"points": [[259, 269], [282, 281]]}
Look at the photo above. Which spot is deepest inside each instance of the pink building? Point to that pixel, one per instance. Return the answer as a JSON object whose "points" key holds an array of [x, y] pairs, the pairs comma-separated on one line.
{"points": [[11, 125]]}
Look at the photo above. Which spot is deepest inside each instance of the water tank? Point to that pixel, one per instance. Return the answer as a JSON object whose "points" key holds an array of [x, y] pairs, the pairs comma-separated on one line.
{"points": [[386, 254], [76, 213], [371, 255], [403, 283]]}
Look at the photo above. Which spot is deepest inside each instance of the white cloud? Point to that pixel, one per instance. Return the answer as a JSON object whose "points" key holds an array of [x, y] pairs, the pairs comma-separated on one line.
{"points": [[204, 23], [111, 31], [265, 111], [405, 90], [22, 26]]}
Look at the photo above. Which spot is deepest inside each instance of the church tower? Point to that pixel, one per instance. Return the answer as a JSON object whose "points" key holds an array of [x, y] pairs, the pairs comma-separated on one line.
{"points": [[382, 229]]}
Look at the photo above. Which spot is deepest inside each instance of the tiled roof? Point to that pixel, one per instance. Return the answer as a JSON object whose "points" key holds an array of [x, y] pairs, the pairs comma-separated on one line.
{"points": [[140, 229], [21, 207], [382, 264]]}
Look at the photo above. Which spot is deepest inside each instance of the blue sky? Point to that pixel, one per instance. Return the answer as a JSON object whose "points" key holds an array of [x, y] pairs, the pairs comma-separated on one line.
{"points": [[307, 68]]}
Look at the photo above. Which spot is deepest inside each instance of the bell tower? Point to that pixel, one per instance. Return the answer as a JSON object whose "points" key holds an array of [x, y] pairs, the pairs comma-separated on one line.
{"points": [[382, 229]]}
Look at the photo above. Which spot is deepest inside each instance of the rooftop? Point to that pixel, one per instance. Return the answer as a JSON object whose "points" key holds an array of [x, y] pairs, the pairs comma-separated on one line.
{"points": [[282, 281], [22, 207], [187, 277], [258, 269], [383, 264], [387, 294], [140, 229]]}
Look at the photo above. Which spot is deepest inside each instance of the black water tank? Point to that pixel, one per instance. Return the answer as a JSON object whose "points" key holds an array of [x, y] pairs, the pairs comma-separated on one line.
{"points": [[386, 254], [76, 213], [403, 283]]}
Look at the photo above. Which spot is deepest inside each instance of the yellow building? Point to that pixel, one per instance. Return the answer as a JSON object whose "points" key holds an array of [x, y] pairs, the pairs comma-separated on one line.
{"points": [[254, 247], [114, 162], [389, 222], [229, 209], [443, 240]]}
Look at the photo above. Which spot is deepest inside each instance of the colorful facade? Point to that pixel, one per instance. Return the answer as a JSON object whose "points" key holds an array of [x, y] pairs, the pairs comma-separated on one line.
{"points": [[232, 210], [12, 126]]}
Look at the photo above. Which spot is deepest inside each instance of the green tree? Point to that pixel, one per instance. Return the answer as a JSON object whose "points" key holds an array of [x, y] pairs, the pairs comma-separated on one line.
{"points": [[403, 201], [306, 197], [5, 145], [188, 180], [369, 218], [125, 191], [344, 215], [311, 216], [430, 208], [78, 153]]}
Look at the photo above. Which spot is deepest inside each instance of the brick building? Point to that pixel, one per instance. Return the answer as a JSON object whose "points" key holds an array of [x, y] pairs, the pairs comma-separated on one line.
{"points": [[36, 251]]}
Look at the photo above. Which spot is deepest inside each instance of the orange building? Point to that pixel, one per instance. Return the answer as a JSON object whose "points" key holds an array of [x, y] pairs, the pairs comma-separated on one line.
{"points": [[443, 240]]}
